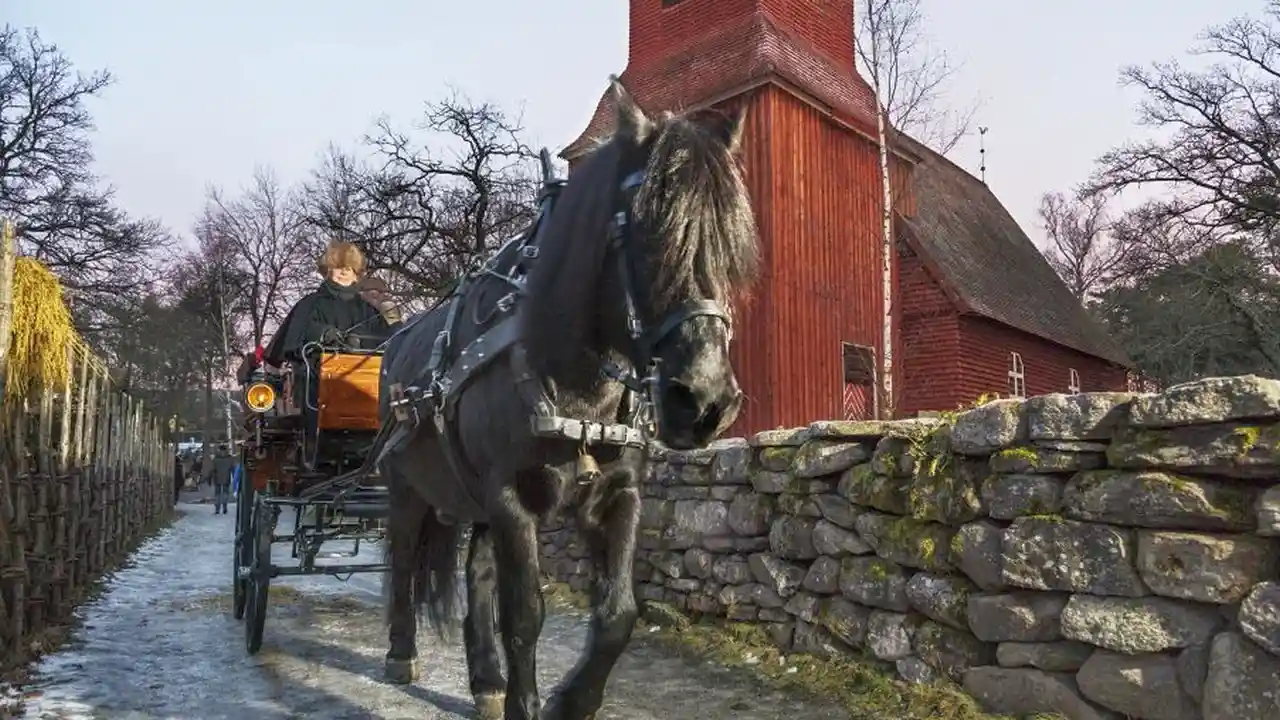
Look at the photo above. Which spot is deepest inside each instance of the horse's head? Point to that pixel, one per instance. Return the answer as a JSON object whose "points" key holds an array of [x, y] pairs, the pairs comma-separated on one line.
{"points": [[665, 243]]}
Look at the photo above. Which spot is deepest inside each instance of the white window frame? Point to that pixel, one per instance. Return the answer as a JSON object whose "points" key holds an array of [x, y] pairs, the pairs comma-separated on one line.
{"points": [[1017, 376], [1073, 381]]}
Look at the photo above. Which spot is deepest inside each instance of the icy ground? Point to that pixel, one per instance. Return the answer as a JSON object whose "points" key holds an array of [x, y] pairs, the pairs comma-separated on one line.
{"points": [[160, 643]]}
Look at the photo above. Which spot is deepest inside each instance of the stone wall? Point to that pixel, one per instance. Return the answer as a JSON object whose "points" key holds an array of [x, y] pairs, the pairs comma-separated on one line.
{"points": [[1097, 555]]}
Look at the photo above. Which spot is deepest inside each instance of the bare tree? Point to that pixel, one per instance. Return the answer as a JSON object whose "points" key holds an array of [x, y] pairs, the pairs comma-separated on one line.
{"points": [[424, 211], [1209, 247], [46, 182], [1216, 154], [264, 231], [211, 289], [1080, 248], [44, 124], [911, 75]]}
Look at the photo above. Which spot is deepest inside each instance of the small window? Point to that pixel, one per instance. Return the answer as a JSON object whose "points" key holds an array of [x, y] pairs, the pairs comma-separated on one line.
{"points": [[1017, 376], [1073, 381], [671, 3]]}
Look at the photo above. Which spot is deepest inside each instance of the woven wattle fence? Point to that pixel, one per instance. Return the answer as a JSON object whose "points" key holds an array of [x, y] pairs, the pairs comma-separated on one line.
{"points": [[84, 469]]}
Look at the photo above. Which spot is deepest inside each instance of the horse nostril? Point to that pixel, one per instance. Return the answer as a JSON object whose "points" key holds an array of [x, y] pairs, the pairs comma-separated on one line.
{"points": [[681, 401], [709, 422]]}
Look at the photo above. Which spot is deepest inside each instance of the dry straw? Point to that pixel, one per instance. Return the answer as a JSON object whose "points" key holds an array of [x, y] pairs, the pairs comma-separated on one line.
{"points": [[42, 331]]}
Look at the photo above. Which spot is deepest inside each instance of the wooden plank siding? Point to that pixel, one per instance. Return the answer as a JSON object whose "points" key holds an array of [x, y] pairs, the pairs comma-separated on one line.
{"points": [[818, 198], [928, 340], [984, 359]]}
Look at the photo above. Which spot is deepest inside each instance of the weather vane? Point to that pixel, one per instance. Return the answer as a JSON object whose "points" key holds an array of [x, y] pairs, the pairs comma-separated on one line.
{"points": [[982, 152]]}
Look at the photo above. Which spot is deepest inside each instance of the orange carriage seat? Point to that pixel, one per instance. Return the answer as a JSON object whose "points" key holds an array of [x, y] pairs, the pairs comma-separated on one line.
{"points": [[348, 392]]}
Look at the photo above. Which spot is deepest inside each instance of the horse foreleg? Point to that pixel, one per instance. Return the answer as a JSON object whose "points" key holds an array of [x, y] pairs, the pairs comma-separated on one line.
{"points": [[515, 538], [613, 610], [404, 526], [483, 664]]}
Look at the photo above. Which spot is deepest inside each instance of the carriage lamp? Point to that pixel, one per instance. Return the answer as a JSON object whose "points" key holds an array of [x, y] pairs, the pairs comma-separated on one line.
{"points": [[260, 397]]}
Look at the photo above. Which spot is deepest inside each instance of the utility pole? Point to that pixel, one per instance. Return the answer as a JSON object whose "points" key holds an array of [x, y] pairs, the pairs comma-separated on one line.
{"points": [[226, 346]]}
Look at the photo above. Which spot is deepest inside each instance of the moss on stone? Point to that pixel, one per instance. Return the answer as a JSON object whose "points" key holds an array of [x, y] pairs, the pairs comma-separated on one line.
{"points": [[1247, 438], [957, 546], [862, 475], [776, 457], [1020, 453], [1155, 481], [915, 542], [928, 549]]}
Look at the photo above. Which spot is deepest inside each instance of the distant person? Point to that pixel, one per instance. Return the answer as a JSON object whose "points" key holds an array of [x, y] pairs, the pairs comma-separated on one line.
{"points": [[237, 475], [179, 477], [223, 466]]}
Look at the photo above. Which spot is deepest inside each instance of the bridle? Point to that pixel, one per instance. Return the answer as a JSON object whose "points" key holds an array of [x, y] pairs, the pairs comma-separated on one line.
{"points": [[625, 246]]}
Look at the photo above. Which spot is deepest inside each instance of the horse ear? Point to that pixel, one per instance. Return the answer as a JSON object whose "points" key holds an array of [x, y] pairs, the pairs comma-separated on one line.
{"points": [[732, 126], [631, 122]]}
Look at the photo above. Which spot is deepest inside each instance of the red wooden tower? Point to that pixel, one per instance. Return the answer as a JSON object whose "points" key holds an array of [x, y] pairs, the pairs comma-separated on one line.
{"points": [[812, 166]]}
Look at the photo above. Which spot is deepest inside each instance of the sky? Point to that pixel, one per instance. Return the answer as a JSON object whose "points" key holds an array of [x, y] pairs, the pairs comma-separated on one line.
{"points": [[205, 92]]}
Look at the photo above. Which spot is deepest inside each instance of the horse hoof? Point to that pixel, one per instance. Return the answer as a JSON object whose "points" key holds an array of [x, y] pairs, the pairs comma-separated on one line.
{"points": [[490, 706], [557, 708], [401, 672]]}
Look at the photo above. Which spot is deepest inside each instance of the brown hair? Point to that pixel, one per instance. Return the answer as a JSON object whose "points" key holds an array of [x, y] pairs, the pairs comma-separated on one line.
{"points": [[342, 254]]}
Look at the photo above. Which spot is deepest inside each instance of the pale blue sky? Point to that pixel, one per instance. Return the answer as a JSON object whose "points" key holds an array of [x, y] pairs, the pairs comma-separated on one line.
{"points": [[207, 89]]}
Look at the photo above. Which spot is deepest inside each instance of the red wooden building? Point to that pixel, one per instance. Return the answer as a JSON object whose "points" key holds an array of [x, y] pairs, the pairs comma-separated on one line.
{"points": [[977, 308]]}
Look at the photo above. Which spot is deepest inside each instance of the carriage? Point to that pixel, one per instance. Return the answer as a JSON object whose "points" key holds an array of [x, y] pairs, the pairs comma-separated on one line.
{"points": [[323, 478]]}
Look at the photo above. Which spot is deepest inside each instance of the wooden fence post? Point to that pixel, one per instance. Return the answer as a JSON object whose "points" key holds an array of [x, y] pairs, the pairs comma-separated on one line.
{"points": [[64, 492], [8, 257], [88, 486], [11, 561], [43, 561], [99, 505], [106, 512]]}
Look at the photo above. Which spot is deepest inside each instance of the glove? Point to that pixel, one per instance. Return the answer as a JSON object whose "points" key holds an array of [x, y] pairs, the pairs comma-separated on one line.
{"points": [[331, 336]]}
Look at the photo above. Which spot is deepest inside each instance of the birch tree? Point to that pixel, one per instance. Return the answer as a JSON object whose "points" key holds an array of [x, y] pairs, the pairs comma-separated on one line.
{"points": [[910, 75], [876, 71]]}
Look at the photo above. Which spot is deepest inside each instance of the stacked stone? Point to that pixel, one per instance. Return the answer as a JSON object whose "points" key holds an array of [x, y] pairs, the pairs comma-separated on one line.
{"points": [[1097, 555]]}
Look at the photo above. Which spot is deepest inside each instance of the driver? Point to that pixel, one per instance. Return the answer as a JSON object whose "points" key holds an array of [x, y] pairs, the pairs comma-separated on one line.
{"points": [[335, 314]]}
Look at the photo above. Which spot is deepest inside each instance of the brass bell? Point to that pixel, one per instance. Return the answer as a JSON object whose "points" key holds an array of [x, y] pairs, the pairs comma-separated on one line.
{"points": [[588, 469]]}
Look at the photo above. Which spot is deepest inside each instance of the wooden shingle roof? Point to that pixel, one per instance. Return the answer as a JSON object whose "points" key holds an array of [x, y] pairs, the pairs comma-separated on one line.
{"points": [[989, 264]]}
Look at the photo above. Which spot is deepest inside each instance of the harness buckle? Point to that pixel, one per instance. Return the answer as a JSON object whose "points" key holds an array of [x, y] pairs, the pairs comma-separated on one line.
{"points": [[529, 252]]}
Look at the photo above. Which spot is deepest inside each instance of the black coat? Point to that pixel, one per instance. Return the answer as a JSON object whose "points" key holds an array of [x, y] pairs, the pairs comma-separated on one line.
{"points": [[331, 307]]}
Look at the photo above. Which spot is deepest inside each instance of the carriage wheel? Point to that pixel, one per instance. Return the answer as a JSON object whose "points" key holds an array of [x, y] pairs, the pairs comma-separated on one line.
{"points": [[259, 584], [241, 555]]}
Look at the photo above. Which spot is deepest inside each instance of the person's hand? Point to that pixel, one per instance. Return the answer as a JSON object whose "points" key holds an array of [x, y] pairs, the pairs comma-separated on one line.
{"points": [[332, 336]]}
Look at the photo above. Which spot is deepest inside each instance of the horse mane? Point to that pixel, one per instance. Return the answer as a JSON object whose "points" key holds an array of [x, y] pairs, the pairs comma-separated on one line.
{"points": [[694, 195], [693, 203]]}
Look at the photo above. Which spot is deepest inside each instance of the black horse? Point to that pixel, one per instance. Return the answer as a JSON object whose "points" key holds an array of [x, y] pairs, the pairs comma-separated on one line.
{"points": [[542, 381]]}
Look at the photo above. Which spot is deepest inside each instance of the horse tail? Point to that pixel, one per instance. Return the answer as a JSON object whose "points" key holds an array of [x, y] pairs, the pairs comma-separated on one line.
{"points": [[435, 573], [423, 554]]}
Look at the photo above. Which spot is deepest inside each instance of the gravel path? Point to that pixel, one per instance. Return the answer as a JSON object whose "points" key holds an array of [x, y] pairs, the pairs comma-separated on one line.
{"points": [[160, 643]]}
